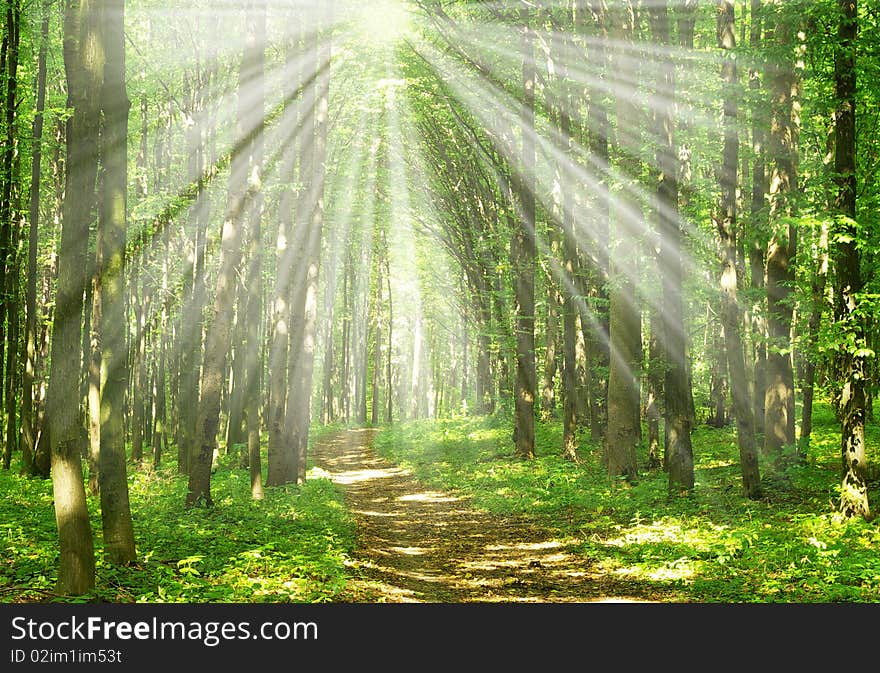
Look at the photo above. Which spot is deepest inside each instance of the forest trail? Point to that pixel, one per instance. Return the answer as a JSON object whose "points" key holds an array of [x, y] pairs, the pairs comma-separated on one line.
{"points": [[417, 545]]}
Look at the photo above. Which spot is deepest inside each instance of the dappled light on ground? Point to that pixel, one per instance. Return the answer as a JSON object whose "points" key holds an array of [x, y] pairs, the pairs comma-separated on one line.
{"points": [[418, 545]]}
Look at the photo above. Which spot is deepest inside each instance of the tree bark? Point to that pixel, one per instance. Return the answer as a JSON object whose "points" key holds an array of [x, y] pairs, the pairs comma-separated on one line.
{"points": [[855, 361], [779, 413], [217, 343], [759, 223], [28, 415], [730, 310], [680, 459], [298, 417], [83, 60], [119, 544], [9, 313], [256, 40], [622, 434], [523, 254]]}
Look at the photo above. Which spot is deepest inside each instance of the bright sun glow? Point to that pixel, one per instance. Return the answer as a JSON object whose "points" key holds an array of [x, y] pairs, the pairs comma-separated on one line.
{"points": [[384, 22]]}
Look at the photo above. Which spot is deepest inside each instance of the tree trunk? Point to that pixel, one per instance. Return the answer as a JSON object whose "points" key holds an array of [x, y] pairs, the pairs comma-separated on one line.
{"points": [[119, 544], [730, 310], [9, 165], [9, 95], [854, 363], [551, 354], [256, 40], [759, 223], [523, 254], [680, 460], [280, 454], [217, 344], [299, 404], [818, 283], [138, 351], [83, 60], [28, 416], [570, 393], [598, 345], [622, 434], [779, 412]]}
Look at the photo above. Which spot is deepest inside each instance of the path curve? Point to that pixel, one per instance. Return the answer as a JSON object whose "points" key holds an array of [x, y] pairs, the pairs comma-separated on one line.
{"points": [[417, 545]]}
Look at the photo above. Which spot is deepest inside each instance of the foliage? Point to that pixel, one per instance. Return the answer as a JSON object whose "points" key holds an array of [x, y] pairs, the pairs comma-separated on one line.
{"points": [[290, 547]]}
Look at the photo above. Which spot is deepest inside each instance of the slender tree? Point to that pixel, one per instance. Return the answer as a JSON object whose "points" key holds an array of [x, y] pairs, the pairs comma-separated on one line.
{"points": [[84, 64], [854, 360], [28, 415], [779, 408], [680, 459], [625, 321], [110, 290], [256, 47], [217, 344], [730, 310], [523, 255]]}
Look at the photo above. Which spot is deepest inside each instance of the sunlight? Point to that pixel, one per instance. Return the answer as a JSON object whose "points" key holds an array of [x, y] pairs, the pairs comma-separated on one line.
{"points": [[508, 237], [383, 22]]}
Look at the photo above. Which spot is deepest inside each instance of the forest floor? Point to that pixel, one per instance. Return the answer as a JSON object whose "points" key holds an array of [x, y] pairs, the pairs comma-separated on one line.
{"points": [[418, 545]]}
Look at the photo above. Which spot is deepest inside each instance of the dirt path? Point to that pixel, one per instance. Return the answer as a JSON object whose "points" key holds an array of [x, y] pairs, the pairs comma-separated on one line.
{"points": [[416, 545]]}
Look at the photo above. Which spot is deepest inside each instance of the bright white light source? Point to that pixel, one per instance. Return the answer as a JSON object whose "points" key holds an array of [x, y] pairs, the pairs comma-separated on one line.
{"points": [[384, 22]]}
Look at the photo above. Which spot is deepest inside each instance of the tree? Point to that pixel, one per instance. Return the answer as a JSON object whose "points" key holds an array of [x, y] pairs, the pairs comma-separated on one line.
{"points": [[110, 290], [850, 306], [679, 452], [779, 411], [217, 343], [625, 321], [305, 303], [256, 36], [730, 311], [522, 257], [84, 65], [28, 411]]}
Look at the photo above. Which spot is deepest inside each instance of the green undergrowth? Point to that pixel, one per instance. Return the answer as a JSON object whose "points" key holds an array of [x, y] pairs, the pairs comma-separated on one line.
{"points": [[289, 547], [712, 545]]}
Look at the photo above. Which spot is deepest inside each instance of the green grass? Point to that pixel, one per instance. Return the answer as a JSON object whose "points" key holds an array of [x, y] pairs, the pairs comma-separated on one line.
{"points": [[290, 547], [710, 546]]}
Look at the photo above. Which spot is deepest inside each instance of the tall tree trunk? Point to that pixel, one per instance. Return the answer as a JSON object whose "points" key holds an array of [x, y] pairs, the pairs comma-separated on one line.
{"points": [[28, 416], [256, 46], [625, 322], [779, 412], [523, 254], [598, 335], [348, 306], [299, 404], [83, 60], [388, 383], [217, 344], [160, 431], [570, 332], [94, 383], [235, 435], [280, 455], [818, 284], [119, 544], [854, 363], [9, 313], [730, 310], [680, 461], [376, 326], [759, 222]]}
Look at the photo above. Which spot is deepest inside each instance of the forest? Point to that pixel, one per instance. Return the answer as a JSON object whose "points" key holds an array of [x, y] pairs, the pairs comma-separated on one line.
{"points": [[439, 301]]}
